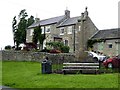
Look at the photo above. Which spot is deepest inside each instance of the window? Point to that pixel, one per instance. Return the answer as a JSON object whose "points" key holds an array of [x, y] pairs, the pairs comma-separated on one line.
{"points": [[47, 29], [110, 45], [66, 42], [70, 30], [31, 32], [79, 28], [42, 30], [61, 31]]}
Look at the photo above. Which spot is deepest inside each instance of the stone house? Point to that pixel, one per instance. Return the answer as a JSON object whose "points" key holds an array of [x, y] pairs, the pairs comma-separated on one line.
{"points": [[111, 41], [73, 31]]}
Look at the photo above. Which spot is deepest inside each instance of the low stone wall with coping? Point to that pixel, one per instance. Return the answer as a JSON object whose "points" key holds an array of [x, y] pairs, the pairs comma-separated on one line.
{"points": [[35, 56]]}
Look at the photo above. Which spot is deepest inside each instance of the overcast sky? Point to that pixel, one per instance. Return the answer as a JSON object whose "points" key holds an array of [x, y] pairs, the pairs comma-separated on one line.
{"points": [[104, 13]]}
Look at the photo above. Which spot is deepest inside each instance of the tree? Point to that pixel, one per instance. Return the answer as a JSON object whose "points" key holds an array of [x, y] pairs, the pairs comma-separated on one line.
{"points": [[8, 47], [38, 36], [19, 29], [22, 26], [22, 14], [30, 21], [14, 28]]}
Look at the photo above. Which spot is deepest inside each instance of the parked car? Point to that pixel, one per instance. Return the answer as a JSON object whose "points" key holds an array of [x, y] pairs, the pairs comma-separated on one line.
{"points": [[113, 62], [96, 57]]}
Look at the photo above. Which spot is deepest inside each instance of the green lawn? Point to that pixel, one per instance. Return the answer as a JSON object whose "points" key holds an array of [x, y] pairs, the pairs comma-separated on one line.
{"points": [[28, 75]]}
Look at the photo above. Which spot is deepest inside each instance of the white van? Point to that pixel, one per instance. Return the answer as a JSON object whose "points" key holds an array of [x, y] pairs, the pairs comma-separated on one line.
{"points": [[96, 56]]}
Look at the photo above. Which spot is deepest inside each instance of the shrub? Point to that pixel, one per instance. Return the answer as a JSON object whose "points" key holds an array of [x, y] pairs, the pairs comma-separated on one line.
{"points": [[55, 51], [65, 49], [45, 50], [8, 47], [58, 47], [19, 48]]}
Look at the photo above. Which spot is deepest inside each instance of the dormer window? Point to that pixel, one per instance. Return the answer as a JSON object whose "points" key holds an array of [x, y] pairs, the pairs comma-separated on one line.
{"points": [[62, 31]]}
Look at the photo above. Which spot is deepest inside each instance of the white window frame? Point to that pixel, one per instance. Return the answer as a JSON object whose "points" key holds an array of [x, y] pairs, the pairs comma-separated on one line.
{"points": [[79, 28], [46, 29], [31, 32], [42, 30], [62, 32], [69, 30]]}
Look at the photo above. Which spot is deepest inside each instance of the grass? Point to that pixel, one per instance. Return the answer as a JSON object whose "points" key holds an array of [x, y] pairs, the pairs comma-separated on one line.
{"points": [[28, 75]]}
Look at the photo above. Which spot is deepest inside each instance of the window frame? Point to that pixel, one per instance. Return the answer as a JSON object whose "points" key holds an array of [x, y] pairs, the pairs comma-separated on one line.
{"points": [[62, 32], [69, 29], [31, 31], [66, 42], [79, 28], [42, 28], [110, 45], [46, 29]]}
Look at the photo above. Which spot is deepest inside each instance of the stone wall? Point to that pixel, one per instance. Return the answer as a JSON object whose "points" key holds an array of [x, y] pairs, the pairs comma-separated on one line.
{"points": [[35, 56], [105, 49], [0, 55]]}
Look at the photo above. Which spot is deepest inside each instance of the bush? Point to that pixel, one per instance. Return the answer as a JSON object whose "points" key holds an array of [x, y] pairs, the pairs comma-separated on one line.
{"points": [[55, 51], [45, 50], [65, 49], [58, 47], [8, 47], [19, 48]]}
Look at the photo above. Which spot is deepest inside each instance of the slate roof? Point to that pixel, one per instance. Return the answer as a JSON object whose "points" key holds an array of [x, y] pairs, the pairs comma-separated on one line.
{"points": [[107, 34], [48, 21], [70, 21]]}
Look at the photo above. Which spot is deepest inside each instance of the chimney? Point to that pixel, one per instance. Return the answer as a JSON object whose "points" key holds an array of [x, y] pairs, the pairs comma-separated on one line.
{"points": [[82, 15], [85, 13], [37, 19], [67, 13]]}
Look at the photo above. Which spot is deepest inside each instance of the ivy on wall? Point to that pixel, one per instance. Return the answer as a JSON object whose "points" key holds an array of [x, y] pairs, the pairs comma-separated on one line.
{"points": [[91, 42]]}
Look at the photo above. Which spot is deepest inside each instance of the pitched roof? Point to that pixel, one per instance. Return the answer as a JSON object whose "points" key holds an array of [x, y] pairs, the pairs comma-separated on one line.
{"points": [[48, 21], [107, 34], [69, 21]]}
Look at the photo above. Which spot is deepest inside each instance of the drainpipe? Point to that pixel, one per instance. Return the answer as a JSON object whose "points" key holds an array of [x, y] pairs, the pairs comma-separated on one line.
{"points": [[74, 40]]}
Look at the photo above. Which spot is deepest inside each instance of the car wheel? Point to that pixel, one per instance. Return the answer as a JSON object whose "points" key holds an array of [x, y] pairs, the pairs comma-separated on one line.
{"points": [[110, 65]]}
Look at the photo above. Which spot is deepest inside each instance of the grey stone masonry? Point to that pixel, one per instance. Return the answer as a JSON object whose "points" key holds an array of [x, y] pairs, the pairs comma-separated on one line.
{"points": [[35, 56]]}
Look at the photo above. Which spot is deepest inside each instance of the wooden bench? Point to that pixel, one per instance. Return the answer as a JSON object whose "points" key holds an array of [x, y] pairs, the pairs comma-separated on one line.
{"points": [[81, 67]]}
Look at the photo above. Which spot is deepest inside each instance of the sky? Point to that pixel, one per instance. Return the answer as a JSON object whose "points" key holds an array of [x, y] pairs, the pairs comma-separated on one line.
{"points": [[103, 13]]}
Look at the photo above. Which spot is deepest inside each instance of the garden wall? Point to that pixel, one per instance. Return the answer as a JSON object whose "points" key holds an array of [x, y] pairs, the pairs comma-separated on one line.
{"points": [[0, 55], [35, 56]]}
